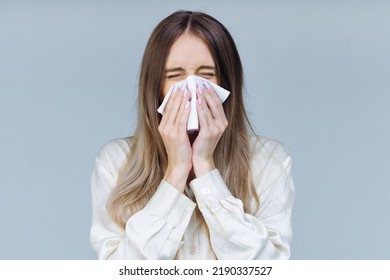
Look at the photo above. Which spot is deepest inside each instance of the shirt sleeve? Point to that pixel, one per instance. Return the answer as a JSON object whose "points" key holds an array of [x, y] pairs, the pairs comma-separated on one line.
{"points": [[155, 232], [265, 234]]}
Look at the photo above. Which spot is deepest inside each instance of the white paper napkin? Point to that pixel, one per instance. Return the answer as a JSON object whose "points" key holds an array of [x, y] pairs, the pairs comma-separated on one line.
{"points": [[191, 81]]}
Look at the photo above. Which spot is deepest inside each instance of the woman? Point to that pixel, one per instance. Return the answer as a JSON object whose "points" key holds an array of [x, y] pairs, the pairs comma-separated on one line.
{"points": [[165, 193]]}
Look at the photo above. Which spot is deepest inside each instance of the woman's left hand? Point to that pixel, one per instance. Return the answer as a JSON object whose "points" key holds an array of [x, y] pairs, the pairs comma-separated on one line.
{"points": [[212, 124]]}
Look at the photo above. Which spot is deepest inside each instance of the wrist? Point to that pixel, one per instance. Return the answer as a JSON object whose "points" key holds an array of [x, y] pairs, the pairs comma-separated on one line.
{"points": [[177, 177], [203, 167]]}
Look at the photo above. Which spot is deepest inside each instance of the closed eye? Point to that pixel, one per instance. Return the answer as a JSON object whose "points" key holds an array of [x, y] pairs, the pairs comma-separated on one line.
{"points": [[207, 74], [173, 76]]}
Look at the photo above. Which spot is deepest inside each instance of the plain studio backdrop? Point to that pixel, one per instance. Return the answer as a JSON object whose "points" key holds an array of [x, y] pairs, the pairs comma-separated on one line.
{"points": [[316, 78]]}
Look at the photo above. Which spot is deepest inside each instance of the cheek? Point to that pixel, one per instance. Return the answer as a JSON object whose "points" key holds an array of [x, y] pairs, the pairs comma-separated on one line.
{"points": [[167, 85], [214, 80]]}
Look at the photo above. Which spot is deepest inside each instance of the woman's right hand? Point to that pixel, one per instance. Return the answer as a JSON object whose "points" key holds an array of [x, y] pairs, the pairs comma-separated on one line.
{"points": [[173, 130]]}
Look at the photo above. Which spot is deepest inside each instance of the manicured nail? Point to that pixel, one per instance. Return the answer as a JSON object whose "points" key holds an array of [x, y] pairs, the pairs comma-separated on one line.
{"points": [[187, 104], [185, 92], [207, 84], [200, 100], [200, 88], [175, 88], [183, 86]]}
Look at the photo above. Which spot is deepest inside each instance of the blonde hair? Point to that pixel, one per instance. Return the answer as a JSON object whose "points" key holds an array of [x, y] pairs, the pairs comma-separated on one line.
{"points": [[146, 162]]}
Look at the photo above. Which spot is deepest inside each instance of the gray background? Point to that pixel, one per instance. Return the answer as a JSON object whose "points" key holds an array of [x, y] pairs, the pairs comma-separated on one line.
{"points": [[317, 79]]}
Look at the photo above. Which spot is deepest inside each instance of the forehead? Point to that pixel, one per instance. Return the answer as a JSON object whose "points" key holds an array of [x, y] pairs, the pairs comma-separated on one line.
{"points": [[189, 51]]}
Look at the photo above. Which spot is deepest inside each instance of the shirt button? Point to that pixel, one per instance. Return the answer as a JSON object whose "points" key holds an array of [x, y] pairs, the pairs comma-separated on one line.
{"points": [[206, 191], [192, 250]]}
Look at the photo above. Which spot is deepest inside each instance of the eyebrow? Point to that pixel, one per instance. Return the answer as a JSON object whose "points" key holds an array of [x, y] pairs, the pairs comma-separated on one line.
{"points": [[205, 67], [179, 69]]}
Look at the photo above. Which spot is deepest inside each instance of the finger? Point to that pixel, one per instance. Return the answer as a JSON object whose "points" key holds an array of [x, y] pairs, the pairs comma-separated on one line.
{"points": [[173, 109], [204, 115], [213, 101], [215, 104], [183, 103], [168, 105], [212, 92], [216, 125], [171, 98], [184, 115]]}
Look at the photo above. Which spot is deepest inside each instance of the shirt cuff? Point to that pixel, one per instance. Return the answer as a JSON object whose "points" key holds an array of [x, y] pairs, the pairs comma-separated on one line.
{"points": [[171, 205], [210, 189]]}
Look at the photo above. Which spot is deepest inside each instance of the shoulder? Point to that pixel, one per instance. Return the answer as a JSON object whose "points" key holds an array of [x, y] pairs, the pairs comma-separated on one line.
{"points": [[264, 148], [114, 153], [270, 160], [120, 145]]}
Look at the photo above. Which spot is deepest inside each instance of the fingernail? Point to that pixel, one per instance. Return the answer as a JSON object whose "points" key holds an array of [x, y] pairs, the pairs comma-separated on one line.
{"points": [[207, 84], [185, 92], [200, 100], [200, 88], [187, 104], [183, 86], [175, 88]]}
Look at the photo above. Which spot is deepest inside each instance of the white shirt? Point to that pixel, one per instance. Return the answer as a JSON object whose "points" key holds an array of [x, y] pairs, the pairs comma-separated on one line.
{"points": [[167, 227]]}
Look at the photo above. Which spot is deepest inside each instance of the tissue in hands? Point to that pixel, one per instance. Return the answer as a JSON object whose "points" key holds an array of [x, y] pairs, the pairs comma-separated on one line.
{"points": [[193, 123]]}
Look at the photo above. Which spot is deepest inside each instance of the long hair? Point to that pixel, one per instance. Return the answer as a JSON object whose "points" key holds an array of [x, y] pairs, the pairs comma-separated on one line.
{"points": [[146, 162]]}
